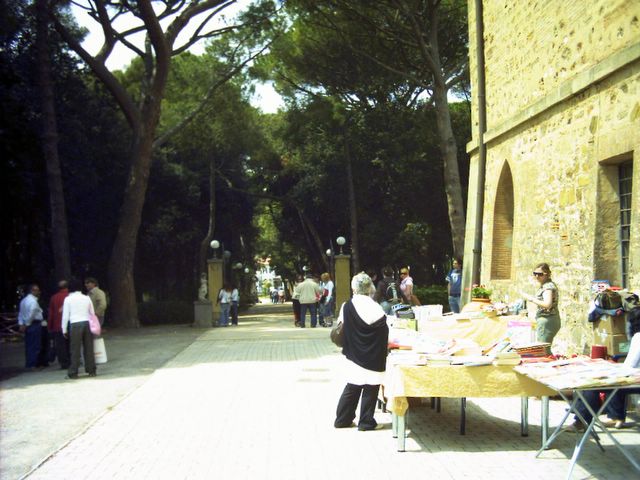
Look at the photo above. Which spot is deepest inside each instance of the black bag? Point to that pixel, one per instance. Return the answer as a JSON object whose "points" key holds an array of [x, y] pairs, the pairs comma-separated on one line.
{"points": [[403, 311], [337, 334]]}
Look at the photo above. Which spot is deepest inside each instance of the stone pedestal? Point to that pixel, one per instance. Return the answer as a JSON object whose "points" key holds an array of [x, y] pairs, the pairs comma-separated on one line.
{"points": [[215, 278], [343, 279], [202, 314]]}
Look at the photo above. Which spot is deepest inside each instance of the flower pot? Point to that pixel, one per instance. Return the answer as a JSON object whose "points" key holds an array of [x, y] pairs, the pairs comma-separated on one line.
{"points": [[481, 300]]}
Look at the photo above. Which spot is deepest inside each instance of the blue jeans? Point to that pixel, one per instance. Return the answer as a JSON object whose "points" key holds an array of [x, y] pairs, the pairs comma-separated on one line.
{"points": [[33, 343], [616, 409], [454, 303], [224, 314], [234, 313], [312, 313]]}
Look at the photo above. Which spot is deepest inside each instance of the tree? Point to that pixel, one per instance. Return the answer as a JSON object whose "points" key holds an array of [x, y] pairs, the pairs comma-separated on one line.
{"points": [[161, 22], [59, 228], [424, 42]]}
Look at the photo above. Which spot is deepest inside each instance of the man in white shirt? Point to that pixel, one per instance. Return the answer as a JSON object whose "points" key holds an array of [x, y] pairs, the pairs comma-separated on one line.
{"points": [[31, 321], [309, 292]]}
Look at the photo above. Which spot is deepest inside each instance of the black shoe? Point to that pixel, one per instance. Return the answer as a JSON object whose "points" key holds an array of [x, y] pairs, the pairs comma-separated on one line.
{"points": [[368, 428], [337, 425], [71, 377], [93, 374]]}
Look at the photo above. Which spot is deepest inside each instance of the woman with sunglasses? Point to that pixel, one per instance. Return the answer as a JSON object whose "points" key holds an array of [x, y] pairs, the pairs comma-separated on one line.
{"points": [[546, 299]]}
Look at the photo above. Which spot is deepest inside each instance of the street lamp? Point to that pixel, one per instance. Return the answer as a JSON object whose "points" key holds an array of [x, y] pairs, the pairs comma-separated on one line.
{"points": [[341, 241], [215, 245]]}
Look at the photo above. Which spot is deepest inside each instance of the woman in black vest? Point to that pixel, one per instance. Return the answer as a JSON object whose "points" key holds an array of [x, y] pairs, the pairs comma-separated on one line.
{"points": [[365, 338]]}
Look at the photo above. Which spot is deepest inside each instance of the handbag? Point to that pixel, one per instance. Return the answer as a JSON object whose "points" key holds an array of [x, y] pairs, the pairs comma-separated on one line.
{"points": [[99, 350], [94, 324], [337, 334]]}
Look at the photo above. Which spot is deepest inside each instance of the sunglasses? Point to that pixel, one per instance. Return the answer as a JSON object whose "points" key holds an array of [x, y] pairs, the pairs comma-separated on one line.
{"points": [[538, 274]]}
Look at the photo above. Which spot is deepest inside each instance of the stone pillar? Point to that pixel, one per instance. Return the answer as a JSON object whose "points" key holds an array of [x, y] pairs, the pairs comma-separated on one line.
{"points": [[343, 280], [216, 276]]}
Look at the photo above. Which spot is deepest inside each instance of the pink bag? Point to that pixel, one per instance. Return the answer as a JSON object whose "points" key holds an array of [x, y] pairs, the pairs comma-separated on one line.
{"points": [[94, 324]]}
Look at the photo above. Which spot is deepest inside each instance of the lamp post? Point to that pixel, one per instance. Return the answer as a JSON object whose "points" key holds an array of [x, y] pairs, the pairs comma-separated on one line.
{"points": [[215, 245], [342, 277]]}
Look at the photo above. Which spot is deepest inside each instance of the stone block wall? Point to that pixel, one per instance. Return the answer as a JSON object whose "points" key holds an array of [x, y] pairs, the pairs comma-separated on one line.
{"points": [[533, 47], [563, 109]]}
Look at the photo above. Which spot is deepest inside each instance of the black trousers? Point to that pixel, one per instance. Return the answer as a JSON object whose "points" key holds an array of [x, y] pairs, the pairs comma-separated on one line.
{"points": [[62, 349], [81, 338], [346, 411]]}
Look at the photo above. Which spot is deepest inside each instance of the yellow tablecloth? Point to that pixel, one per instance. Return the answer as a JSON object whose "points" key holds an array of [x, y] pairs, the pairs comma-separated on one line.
{"points": [[456, 381]]}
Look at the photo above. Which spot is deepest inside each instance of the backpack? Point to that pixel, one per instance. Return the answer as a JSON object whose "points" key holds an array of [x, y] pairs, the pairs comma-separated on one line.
{"points": [[608, 300], [393, 294]]}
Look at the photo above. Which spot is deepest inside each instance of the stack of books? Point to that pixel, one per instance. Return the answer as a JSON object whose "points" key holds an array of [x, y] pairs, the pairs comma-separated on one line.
{"points": [[535, 349], [507, 358]]}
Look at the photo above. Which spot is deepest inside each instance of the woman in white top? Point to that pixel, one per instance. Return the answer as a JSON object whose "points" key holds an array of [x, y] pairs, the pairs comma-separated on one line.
{"points": [[326, 301], [75, 325], [224, 299], [365, 339]]}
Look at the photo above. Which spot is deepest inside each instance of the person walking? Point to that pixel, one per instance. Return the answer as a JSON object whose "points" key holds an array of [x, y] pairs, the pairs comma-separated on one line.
{"points": [[454, 285], [75, 325], [97, 296], [235, 300], [326, 300], [224, 299], [30, 320], [546, 298], [54, 323], [308, 291], [295, 300], [365, 338]]}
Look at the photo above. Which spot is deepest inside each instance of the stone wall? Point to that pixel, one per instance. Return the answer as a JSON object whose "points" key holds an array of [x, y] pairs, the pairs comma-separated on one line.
{"points": [[545, 43], [563, 108]]}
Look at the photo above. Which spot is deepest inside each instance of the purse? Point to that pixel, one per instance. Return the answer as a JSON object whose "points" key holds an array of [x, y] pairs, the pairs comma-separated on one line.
{"points": [[94, 324], [337, 334]]}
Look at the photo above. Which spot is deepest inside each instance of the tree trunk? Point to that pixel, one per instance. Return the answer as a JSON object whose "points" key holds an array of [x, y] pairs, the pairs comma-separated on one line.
{"points": [[353, 212], [204, 245], [59, 228], [451, 171], [124, 308]]}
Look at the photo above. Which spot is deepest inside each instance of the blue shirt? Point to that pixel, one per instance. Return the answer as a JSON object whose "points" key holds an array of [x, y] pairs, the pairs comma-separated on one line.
{"points": [[455, 280]]}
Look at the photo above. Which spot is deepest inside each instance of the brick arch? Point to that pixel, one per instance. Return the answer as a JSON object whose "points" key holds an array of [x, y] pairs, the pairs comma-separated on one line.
{"points": [[502, 242]]}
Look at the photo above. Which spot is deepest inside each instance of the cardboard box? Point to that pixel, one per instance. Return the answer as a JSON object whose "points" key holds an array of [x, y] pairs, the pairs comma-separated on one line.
{"points": [[611, 325], [616, 344]]}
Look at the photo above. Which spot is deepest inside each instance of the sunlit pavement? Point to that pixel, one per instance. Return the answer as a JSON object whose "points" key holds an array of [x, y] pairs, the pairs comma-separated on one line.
{"points": [[257, 401]]}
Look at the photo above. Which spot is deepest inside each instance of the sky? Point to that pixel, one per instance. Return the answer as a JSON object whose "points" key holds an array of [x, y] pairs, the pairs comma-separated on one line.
{"points": [[265, 97]]}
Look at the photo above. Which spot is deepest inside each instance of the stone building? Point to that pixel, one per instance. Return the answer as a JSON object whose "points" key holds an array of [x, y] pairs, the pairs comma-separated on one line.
{"points": [[562, 143]]}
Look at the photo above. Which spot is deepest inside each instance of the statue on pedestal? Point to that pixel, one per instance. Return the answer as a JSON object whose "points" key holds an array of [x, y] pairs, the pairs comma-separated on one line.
{"points": [[203, 290]]}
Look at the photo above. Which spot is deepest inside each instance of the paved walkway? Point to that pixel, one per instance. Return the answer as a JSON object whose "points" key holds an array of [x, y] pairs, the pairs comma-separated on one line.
{"points": [[258, 402]]}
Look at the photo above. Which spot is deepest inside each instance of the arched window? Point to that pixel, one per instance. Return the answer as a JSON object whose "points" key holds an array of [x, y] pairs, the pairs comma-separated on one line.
{"points": [[502, 227]]}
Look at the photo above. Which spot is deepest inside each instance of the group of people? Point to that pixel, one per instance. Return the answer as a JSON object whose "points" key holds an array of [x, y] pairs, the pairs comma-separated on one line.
{"points": [[228, 299], [317, 298], [66, 325]]}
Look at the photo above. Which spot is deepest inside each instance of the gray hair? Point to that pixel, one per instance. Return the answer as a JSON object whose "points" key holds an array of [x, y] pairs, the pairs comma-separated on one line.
{"points": [[361, 284]]}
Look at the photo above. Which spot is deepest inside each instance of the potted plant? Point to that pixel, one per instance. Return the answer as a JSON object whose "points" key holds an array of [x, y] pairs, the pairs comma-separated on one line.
{"points": [[480, 293]]}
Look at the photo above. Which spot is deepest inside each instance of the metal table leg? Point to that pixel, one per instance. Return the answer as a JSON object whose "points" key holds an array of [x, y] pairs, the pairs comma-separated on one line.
{"points": [[524, 416]]}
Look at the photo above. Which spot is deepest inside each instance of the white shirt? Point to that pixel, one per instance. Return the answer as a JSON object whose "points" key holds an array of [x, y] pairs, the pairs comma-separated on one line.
{"points": [[29, 310], [76, 308], [224, 296], [329, 286], [235, 295], [370, 312], [633, 357]]}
